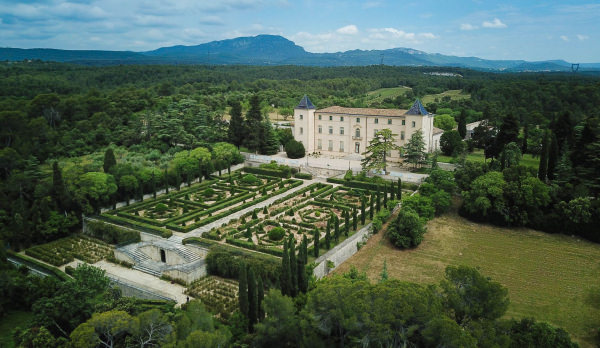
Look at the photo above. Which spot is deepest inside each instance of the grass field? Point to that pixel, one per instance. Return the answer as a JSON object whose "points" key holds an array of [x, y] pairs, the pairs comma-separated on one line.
{"points": [[9, 322], [477, 156], [454, 94], [554, 278], [378, 95]]}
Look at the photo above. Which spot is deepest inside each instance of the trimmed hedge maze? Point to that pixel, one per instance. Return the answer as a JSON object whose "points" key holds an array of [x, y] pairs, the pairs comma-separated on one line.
{"points": [[65, 250], [219, 295], [301, 214], [200, 204]]}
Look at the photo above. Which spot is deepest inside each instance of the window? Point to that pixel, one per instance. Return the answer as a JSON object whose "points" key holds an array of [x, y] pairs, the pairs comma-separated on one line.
{"points": [[319, 117], [330, 130], [357, 147], [374, 132], [341, 146], [403, 122], [341, 118], [301, 131], [376, 121], [414, 124], [301, 116], [330, 146], [320, 130], [389, 121], [357, 133], [341, 130], [402, 135], [330, 118], [319, 144], [357, 120]]}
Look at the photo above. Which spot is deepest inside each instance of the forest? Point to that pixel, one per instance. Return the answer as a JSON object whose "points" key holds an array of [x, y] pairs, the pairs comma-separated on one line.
{"points": [[75, 139]]}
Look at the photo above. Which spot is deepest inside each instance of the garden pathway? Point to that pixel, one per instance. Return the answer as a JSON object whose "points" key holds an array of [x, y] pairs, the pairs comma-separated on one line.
{"points": [[200, 230]]}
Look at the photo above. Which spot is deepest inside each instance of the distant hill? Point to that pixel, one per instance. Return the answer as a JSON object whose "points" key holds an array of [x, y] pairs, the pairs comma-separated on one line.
{"points": [[277, 50]]}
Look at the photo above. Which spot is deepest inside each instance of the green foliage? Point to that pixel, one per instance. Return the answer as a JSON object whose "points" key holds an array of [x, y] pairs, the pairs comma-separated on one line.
{"points": [[376, 153], [294, 149], [226, 262], [407, 230], [414, 150], [444, 121], [109, 160], [451, 143], [420, 204], [276, 233], [280, 326], [250, 179]]}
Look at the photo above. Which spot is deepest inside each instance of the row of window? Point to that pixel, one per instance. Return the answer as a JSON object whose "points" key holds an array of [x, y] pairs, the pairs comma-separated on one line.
{"points": [[341, 147], [389, 121]]}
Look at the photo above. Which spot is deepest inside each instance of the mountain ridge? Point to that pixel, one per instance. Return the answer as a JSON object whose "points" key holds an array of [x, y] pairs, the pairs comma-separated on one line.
{"points": [[277, 50]]}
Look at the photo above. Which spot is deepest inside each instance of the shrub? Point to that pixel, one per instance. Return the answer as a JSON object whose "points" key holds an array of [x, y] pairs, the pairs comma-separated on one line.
{"points": [[249, 179], [294, 149], [208, 192], [276, 233], [407, 230], [161, 208], [422, 205], [305, 176], [451, 143]]}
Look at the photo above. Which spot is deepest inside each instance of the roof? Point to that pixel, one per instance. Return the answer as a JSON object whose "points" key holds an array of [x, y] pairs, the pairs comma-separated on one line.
{"points": [[417, 109], [437, 130], [362, 111], [305, 103]]}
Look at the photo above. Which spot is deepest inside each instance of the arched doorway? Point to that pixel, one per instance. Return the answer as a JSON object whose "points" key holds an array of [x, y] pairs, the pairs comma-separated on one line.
{"points": [[163, 256]]}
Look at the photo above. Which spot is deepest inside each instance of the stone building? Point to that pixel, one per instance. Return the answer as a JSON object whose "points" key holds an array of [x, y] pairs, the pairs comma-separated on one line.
{"points": [[340, 131]]}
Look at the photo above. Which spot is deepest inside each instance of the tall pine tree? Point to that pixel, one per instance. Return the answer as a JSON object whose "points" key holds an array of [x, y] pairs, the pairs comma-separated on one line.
{"points": [[286, 278], [109, 160], [362, 210], [293, 267], [399, 190], [252, 300], [237, 130], [302, 260], [346, 223], [328, 235], [270, 145], [254, 124], [371, 205], [316, 242], [543, 167], [336, 222], [243, 290], [553, 156], [354, 219]]}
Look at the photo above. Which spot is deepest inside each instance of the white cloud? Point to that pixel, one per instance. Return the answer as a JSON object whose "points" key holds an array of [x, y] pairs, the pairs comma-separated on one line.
{"points": [[496, 23], [564, 37], [582, 37], [348, 30], [467, 26], [428, 36]]}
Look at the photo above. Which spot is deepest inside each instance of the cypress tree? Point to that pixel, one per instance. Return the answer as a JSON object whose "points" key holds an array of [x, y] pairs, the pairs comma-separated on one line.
{"points": [[354, 219], [399, 189], [392, 191], [302, 260], [260, 288], [346, 223], [543, 167], [109, 160], [362, 210], [371, 205], [316, 243], [304, 249], [293, 267], [328, 235], [552, 157], [286, 278], [237, 131], [252, 300], [153, 184], [270, 145], [385, 195], [243, 290], [254, 139], [525, 139], [378, 198], [58, 186], [462, 124], [337, 228], [166, 181], [509, 132]]}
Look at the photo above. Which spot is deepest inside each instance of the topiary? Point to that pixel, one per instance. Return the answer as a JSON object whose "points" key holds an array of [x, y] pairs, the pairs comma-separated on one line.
{"points": [[250, 179], [208, 192], [276, 233], [161, 208]]}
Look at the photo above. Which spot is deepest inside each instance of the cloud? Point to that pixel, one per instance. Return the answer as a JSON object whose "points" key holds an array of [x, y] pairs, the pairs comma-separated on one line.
{"points": [[467, 26], [496, 23], [564, 37], [582, 37], [348, 30], [211, 20]]}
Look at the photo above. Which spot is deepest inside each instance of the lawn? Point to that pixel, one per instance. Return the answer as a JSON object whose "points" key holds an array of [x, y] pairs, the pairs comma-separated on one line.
{"points": [[554, 278], [477, 156], [378, 95], [11, 321], [454, 94]]}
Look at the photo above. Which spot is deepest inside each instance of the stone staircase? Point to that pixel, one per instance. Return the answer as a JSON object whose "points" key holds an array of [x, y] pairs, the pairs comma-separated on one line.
{"points": [[145, 269]]}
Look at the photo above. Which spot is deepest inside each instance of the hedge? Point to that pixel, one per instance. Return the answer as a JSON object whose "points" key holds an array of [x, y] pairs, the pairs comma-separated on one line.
{"points": [[162, 232], [225, 261], [267, 172], [37, 264], [306, 176]]}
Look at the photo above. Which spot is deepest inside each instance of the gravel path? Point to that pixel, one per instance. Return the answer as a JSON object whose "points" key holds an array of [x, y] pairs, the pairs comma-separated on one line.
{"points": [[200, 230]]}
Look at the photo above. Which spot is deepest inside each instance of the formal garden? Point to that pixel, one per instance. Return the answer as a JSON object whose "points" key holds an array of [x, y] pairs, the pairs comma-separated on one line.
{"points": [[199, 204], [219, 295], [329, 212], [66, 250]]}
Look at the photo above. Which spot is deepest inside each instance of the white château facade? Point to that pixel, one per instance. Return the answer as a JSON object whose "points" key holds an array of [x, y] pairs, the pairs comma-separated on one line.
{"points": [[343, 131]]}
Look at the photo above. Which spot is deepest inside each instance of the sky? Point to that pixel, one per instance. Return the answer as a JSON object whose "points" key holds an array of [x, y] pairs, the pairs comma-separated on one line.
{"points": [[529, 30]]}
